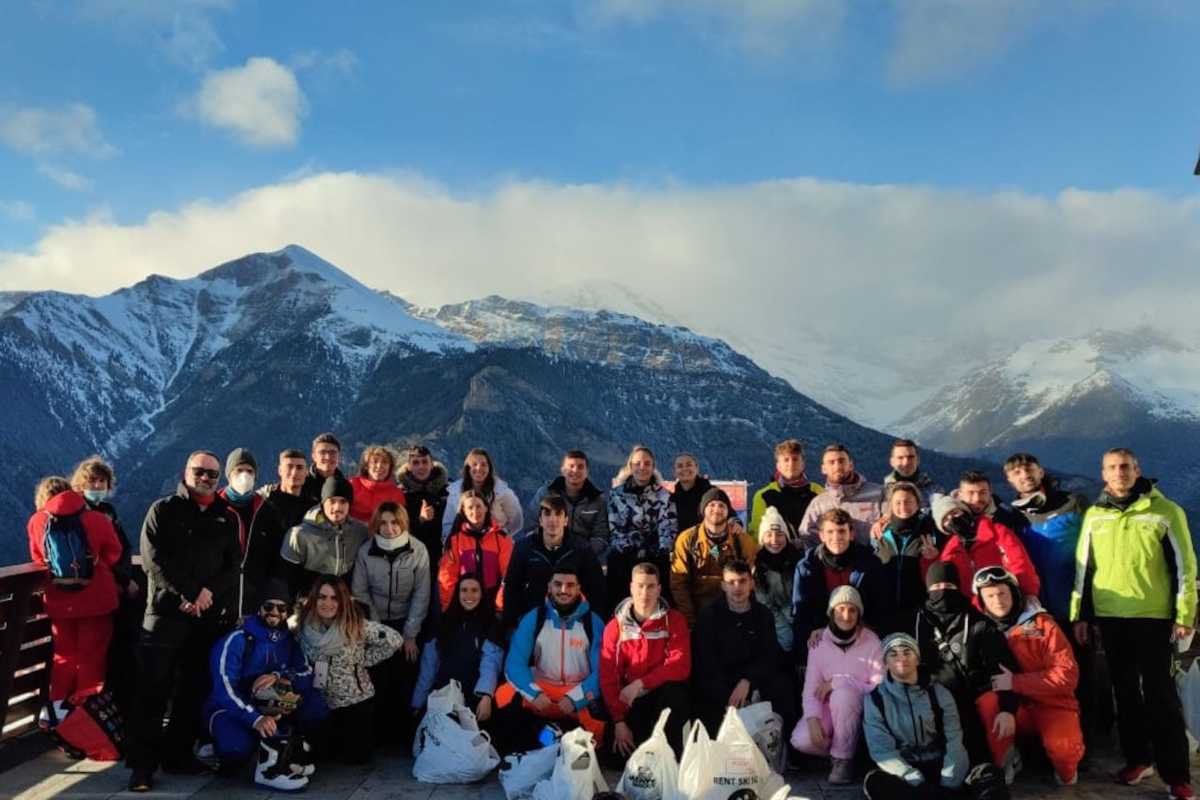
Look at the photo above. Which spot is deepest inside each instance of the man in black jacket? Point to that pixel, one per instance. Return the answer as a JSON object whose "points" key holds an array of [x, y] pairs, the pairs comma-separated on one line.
{"points": [[535, 558], [735, 654], [260, 530], [326, 456], [287, 496], [424, 483], [587, 505], [961, 649], [191, 554]]}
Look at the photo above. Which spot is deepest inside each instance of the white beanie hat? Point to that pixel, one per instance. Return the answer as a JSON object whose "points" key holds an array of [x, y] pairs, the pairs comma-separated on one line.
{"points": [[772, 520], [845, 594]]}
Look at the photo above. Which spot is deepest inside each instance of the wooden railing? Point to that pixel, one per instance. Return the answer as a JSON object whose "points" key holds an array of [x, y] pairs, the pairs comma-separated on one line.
{"points": [[26, 650]]}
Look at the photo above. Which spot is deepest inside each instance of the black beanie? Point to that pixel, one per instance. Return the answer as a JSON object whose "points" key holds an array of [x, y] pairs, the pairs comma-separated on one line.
{"points": [[239, 457], [275, 589], [335, 486], [942, 572], [715, 494], [567, 565]]}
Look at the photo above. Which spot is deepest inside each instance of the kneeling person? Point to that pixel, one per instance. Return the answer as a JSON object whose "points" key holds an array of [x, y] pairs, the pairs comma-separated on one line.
{"points": [[263, 697], [912, 731], [1049, 673], [553, 663]]}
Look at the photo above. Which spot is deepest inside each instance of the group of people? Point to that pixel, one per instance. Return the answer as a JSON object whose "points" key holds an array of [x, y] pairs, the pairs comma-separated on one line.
{"points": [[310, 618]]}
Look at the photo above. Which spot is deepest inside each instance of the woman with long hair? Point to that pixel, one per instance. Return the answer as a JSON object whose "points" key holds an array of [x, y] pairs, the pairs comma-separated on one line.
{"points": [[375, 482], [479, 474], [690, 486], [468, 647], [341, 645], [641, 521], [909, 544], [478, 546]]}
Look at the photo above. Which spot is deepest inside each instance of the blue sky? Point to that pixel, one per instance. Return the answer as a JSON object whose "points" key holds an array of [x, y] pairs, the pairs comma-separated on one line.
{"points": [[913, 173], [1094, 95]]}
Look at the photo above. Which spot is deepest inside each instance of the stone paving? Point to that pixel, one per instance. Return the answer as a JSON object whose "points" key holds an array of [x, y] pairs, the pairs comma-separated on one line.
{"points": [[53, 775]]}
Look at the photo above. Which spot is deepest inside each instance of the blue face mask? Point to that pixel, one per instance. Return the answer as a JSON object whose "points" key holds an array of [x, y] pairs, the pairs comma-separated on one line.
{"points": [[97, 495]]}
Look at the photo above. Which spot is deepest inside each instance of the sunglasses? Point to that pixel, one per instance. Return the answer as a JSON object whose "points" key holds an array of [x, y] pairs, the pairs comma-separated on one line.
{"points": [[201, 472], [273, 606]]}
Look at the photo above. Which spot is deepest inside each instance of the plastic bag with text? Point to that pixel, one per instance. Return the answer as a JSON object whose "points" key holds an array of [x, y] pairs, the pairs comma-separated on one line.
{"points": [[651, 773], [728, 767]]}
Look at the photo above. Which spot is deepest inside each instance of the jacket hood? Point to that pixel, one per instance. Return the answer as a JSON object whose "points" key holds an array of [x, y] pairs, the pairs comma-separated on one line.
{"points": [[1142, 487], [437, 481], [588, 491], [64, 504], [943, 504], [580, 613], [843, 489], [627, 484], [624, 614]]}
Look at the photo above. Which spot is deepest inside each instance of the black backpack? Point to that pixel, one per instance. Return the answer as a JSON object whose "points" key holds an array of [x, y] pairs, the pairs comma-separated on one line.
{"points": [[68, 557]]}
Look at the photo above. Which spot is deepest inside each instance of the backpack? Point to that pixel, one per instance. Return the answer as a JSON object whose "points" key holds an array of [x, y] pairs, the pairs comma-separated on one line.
{"points": [[68, 557]]}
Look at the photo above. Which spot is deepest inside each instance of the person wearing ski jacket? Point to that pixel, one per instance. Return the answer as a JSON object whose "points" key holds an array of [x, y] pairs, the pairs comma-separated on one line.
{"points": [[790, 492], [535, 557], [553, 666], [845, 489], [261, 646], [701, 552], [974, 541], [327, 541], [961, 649], [837, 561], [479, 547], [642, 522], [917, 758], [375, 483], [775, 576], [1047, 679], [260, 530], [907, 547], [587, 505], [645, 663], [81, 619], [846, 664], [391, 573], [468, 647], [479, 474], [424, 481], [1135, 576]]}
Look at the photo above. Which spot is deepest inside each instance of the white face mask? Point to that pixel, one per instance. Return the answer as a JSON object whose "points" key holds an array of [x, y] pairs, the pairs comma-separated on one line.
{"points": [[242, 482]]}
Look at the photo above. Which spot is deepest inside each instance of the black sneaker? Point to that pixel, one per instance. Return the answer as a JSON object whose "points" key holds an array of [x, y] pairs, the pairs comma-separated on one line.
{"points": [[141, 780], [186, 766]]}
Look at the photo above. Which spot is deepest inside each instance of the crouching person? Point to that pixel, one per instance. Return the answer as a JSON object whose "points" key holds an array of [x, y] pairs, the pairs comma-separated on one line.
{"points": [[263, 697], [846, 664], [912, 731], [1045, 686], [553, 664]]}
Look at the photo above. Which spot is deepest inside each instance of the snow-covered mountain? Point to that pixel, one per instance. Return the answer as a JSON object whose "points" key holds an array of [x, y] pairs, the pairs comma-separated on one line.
{"points": [[267, 350], [1068, 400]]}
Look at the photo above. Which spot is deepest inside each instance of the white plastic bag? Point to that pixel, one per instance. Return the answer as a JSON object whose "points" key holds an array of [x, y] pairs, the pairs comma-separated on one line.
{"points": [[576, 774], [1188, 685], [446, 698], [450, 748], [766, 729], [520, 772], [651, 773], [729, 766]]}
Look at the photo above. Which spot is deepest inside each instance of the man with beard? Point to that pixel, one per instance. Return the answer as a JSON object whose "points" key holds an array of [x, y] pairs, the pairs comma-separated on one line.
{"points": [[287, 496], [791, 491], [837, 561], [262, 694], [975, 541], [553, 665], [327, 541], [702, 551], [326, 456], [587, 505], [1046, 682], [1135, 577], [905, 462], [847, 489], [961, 649], [424, 483], [645, 661]]}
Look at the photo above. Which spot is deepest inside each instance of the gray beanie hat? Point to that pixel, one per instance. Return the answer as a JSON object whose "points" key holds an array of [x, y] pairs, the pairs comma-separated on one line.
{"points": [[943, 504], [900, 640], [845, 594], [239, 457]]}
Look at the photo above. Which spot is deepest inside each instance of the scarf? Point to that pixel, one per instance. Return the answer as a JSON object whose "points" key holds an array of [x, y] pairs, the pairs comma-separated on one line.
{"points": [[1140, 487], [388, 545], [843, 638], [784, 562], [905, 527], [321, 643], [839, 561], [798, 483], [946, 606]]}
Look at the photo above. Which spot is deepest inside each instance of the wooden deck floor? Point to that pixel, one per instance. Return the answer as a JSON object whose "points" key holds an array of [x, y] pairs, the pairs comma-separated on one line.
{"points": [[52, 775]]}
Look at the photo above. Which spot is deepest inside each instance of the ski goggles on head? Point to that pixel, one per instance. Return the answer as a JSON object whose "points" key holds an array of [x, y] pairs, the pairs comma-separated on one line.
{"points": [[993, 576]]}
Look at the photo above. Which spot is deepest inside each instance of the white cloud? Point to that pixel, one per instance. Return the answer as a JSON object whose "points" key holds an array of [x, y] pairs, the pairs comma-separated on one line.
{"points": [[45, 131], [765, 27], [340, 63], [17, 210], [260, 103], [66, 178], [182, 30], [873, 268]]}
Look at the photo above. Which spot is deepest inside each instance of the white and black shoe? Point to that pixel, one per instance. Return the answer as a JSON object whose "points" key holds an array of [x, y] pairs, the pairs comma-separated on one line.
{"points": [[269, 772], [301, 757]]}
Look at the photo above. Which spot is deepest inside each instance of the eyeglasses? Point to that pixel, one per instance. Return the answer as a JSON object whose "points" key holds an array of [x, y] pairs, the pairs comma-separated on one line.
{"points": [[272, 606], [325, 452], [990, 576], [201, 472]]}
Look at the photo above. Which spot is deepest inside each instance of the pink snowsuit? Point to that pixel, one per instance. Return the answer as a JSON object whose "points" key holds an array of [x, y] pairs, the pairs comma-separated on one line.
{"points": [[853, 672]]}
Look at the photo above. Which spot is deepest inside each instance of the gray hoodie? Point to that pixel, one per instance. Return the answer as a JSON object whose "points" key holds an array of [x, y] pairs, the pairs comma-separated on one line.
{"points": [[394, 585], [906, 735]]}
